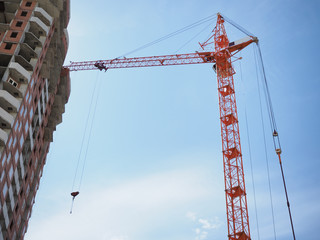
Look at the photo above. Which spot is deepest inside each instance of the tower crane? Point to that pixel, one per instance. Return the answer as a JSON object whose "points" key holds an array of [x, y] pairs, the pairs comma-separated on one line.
{"points": [[222, 51]]}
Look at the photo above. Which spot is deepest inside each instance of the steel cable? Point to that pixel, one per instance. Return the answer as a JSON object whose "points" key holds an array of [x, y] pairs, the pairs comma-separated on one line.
{"points": [[265, 148], [250, 159], [84, 133], [195, 24], [274, 130], [90, 132]]}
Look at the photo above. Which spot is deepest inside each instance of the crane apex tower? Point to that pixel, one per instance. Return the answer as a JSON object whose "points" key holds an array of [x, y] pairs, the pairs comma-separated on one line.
{"points": [[34, 89]]}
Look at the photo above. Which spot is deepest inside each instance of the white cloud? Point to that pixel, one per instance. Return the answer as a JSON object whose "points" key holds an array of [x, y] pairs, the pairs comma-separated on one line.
{"points": [[203, 225], [206, 224], [202, 235], [191, 216], [125, 211]]}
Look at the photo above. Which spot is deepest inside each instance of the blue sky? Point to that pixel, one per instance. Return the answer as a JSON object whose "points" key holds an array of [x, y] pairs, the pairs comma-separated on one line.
{"points": [[154, 163]]}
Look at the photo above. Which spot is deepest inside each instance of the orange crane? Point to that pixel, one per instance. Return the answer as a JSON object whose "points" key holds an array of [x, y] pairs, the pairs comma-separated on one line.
{"points": [[220, 57]]}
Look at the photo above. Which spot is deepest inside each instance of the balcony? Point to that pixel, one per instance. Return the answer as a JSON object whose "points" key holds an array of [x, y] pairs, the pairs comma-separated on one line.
{"points": [[18, 72], [8, 102], [38, 28], [4, 62], [16, 77], [3, 138], [34, 43], [14, 88], [43, 16], [28, 54], [24, 63], [6, 120]]}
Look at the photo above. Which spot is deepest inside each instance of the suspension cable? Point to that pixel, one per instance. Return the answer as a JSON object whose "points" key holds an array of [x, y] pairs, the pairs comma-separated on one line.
{"points": [[76, 193], [84, 134], [250, 157], [90, 132], [237, 26], [202, 30], [195, 24], [275, 134], [276, 138], [265, 150]]}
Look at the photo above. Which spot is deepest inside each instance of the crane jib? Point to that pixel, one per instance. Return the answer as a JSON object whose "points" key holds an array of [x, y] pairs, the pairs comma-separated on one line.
{"points": [[165, 60]]}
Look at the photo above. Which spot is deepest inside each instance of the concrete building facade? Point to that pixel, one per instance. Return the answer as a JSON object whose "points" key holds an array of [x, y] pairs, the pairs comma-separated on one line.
{"points": [[34, 89]]}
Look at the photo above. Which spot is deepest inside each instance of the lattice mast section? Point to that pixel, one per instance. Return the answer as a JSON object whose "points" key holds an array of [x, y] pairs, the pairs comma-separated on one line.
{"points": [[236, 201]]}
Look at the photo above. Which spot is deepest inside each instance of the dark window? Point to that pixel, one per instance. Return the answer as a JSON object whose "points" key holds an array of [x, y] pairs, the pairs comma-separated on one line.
{"points": [[2, 7], [16, 94], [24, 13], [10, 108], [19, 24], [14, 35], [3, 124], [28, 4], [8, 46], [11, 225]]}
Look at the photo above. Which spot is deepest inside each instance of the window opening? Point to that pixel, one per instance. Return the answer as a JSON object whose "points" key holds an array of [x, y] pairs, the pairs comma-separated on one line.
{"points": [[19, 24], [14, 35], [8, 46], [24, 13]]}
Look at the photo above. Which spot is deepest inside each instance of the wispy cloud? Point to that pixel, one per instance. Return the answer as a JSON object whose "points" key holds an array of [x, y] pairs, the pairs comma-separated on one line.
{"points": [[128, 211], [203, 225]]}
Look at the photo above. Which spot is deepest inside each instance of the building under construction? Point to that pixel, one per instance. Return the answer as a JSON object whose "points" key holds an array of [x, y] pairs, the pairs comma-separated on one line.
{"points": [[33, 92]]}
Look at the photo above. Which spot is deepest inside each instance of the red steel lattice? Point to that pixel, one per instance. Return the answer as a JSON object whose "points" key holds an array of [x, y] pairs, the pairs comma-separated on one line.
{"points": [[236, 201]]}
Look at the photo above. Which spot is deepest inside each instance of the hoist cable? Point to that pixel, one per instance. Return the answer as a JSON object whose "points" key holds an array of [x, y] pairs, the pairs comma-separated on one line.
{"points": [[195, 24], [265, 149], [268, 99], [276, 139], [250, 158], [288, 204], [90, 132], [84, 134]]}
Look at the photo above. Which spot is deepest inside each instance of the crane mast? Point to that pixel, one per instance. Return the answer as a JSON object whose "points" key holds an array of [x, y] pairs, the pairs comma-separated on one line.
{"points": [[235, 190]]}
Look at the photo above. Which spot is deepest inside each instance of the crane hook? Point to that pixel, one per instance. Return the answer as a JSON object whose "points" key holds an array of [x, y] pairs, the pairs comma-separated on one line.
{"points": [[73, 194]]}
